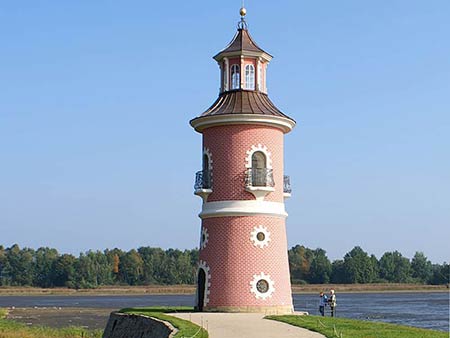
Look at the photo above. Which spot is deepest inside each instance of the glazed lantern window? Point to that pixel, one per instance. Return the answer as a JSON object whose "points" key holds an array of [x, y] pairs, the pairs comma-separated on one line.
{"points": [[250, 77], [260, 87], [235, 77]]}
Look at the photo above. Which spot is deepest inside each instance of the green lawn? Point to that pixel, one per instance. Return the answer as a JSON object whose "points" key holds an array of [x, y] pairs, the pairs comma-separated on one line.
{"points": [[3, 313], [11, 329], [350, 328], [185, 328]]}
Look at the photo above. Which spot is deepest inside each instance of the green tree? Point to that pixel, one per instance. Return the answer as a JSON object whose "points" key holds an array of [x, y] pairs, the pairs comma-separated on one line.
{"points": [[63, 271], [440, 274], [395, 268], [184, 272], [20, 265], [172, 275], [103, 268], [113, 257], [376, 268], [93, 269], [5, 276], [300, 259], [359, 267], [44, 259], [194, 253], [131, 267], [338, 272], [148, 256], [320, 269], [421, 267], [163, 270]]}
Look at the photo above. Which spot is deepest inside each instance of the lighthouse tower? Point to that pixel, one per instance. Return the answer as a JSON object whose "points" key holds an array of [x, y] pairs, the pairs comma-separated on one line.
{"points": [[243, 264]]}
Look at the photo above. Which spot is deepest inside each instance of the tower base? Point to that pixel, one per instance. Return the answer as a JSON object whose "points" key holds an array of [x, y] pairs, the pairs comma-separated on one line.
{"points": [[268, 310]]}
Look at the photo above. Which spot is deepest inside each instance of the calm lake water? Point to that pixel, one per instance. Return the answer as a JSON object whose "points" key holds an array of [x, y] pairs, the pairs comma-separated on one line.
{"points": [[426, 310]]}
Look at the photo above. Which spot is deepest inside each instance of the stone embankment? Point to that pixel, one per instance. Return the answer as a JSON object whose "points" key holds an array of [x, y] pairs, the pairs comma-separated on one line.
{"points": [[122, 325]]}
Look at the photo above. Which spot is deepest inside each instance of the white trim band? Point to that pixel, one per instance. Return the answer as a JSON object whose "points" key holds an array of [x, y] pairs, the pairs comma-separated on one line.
{"points": [[242, 208], [279, 122]]}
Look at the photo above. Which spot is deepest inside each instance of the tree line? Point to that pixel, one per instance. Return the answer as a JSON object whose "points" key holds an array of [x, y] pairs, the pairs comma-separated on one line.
{"points": [[46, 267]]}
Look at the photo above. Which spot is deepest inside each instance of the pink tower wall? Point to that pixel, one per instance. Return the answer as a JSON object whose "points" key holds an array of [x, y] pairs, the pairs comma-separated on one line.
{"points": [[228, 146], [231, 256]]}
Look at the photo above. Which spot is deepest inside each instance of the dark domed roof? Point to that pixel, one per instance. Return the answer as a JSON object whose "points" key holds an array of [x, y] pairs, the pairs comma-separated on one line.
{"points": [[241, 42], [243, 102]]}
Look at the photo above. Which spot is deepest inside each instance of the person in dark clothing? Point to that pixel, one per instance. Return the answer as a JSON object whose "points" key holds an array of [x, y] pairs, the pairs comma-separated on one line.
{"points": [[322, 304]]}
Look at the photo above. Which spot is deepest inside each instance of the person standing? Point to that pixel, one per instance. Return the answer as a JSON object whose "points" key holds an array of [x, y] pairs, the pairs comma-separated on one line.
{"points": [[322, 304], [332, 302]]}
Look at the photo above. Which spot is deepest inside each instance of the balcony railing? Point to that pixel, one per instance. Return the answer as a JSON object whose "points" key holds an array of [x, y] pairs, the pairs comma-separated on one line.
{"points": [[203, 180], [287, 184], [259, 178]]}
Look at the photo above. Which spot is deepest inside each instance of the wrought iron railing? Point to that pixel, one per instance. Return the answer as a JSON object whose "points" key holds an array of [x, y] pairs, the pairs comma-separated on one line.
{"points": [[287, 184], [203, 180], [259, 178]]}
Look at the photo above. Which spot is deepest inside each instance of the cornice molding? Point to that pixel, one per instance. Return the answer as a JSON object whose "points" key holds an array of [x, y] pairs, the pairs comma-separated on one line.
{"points": [[247, 54], [242, 208], [201, 123]]}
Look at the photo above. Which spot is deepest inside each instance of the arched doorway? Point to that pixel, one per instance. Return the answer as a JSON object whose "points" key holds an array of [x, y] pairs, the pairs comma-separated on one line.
{"points": [[201, 285]]}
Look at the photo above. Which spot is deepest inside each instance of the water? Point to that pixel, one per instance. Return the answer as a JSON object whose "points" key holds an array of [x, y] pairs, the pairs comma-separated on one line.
{"points": [[426, 310]]}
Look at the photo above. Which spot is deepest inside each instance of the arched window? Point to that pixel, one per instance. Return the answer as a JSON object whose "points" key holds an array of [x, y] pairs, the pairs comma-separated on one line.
{"points": [[206, 175], [250, 77], [259, 169], [235, 77], [205, 162]]}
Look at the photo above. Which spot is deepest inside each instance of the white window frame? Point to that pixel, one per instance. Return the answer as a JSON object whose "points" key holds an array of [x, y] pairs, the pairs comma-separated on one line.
{"points": [[249, 77], [235, 77], [260, 77]]}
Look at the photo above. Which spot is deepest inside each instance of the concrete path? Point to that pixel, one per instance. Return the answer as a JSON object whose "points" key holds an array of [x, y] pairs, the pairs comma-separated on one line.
{"points": [[245, 325]]}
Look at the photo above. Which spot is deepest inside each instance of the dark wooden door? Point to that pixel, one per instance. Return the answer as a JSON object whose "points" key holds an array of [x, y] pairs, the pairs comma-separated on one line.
{"points": [[201, 283]]}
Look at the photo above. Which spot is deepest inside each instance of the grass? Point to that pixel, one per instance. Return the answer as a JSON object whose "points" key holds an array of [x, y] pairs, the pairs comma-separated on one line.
{"points": [[344, 328], [3, 313], [185, 328], [12, 329]]}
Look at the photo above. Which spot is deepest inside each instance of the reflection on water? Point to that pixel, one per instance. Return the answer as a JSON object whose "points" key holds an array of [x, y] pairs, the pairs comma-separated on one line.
{"points": [[427, 310]]}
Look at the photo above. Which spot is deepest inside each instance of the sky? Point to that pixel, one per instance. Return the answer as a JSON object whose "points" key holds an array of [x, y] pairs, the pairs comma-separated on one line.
{"points": [[96, 150]]}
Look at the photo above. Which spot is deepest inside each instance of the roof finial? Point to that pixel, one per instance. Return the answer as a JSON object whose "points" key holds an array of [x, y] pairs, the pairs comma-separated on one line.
{"points": [[242, 24], [242, 11]]}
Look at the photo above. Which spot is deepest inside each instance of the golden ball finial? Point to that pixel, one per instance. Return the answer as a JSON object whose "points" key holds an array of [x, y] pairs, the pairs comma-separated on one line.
{"points": [[243, 11]]}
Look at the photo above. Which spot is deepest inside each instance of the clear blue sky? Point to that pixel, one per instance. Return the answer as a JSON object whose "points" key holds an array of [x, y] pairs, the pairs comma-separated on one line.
{"points": [[95, 97]]}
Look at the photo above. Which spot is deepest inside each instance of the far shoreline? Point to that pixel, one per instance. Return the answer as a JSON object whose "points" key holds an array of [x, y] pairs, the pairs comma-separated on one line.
{"points": [[190, 289]]}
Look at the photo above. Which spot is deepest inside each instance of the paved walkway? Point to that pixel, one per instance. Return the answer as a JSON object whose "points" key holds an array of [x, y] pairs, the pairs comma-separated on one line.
{"points": [[245, 325]]}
